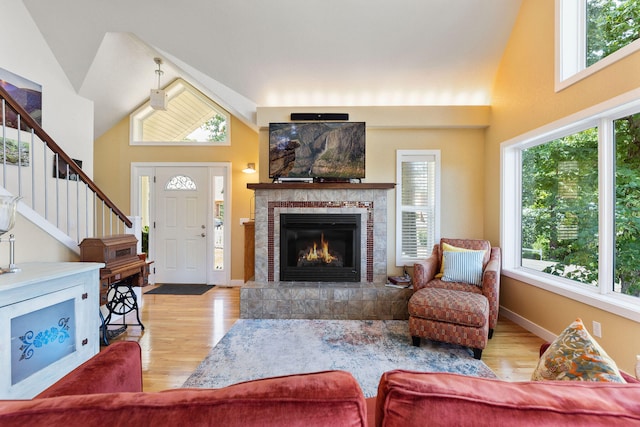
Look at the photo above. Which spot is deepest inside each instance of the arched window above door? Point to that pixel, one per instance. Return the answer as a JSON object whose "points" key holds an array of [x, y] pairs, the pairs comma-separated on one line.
{"points": [[180, 182]]}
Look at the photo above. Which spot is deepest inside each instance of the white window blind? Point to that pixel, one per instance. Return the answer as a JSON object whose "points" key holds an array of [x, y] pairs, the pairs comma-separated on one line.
{"points": [[417, 200]]}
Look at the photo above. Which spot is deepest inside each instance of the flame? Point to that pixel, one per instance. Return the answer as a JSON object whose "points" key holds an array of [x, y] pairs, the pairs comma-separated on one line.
{"points": [[322, 254]]}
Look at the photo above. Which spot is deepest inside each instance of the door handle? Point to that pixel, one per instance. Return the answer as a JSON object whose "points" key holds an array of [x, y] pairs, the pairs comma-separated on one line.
{"points": [[203, 235]]}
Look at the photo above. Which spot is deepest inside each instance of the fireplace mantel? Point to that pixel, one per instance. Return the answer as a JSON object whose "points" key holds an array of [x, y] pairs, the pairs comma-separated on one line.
{"points": [[321, 186]]}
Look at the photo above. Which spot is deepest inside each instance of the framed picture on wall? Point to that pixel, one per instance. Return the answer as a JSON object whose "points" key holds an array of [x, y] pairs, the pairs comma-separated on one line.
{"points": [[15, 153], [60, 169], [26, 93]]}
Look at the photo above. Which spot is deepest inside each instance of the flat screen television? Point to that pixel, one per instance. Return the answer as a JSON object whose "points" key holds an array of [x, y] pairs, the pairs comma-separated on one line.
{"points": [[331, 150]]}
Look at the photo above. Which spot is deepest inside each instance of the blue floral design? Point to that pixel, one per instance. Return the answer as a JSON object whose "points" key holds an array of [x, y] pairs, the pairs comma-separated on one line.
{"points": [[31, 340]]}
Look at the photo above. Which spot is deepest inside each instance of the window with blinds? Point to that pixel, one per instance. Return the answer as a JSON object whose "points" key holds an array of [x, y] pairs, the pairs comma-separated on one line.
{"points": [[417, 204]]}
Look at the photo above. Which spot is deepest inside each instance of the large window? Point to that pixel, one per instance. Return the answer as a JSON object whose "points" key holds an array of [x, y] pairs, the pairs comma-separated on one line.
{"points": [[417, 204], [191, 118], [571, 197], [627, 205], [559, 208], [611, 25], [592, 34]]}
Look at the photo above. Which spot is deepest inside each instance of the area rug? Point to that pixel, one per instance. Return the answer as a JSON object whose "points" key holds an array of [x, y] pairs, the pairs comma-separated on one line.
{"points": [[180, 289], [260, 348]]}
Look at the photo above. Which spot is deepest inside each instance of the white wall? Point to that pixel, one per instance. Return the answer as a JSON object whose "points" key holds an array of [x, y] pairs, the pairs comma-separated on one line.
{"points": [[66, 117]]}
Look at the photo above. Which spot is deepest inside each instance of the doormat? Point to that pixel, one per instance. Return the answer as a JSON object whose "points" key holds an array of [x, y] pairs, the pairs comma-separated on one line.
{"points": [[180, 289]]}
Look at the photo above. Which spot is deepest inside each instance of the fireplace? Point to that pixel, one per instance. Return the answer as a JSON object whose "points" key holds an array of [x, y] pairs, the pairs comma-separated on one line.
{"points": [[369, 201], [320, 247], [269, 297]]}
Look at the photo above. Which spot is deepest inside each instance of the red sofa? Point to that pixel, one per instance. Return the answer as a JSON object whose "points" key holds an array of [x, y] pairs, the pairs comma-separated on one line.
{"points": [[107, 391]]}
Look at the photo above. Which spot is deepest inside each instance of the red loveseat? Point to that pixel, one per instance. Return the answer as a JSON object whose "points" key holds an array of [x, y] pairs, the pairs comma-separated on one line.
{"points": [[107, 391]]}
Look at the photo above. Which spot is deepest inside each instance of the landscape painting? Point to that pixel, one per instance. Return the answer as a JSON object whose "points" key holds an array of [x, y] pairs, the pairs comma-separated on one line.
{"points": [[12, 155], [26, 93]]}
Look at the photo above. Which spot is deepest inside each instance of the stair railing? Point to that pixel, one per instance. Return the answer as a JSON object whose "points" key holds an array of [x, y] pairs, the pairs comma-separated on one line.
{"points": [[49, 181]]}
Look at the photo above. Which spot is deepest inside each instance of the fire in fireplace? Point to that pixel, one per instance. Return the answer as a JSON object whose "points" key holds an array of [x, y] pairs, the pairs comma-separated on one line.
{"points": [[320, 247], [320, 256]]}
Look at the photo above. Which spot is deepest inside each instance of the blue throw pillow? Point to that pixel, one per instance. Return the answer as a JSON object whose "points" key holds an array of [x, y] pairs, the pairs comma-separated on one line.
{"points": [[465, 267]]}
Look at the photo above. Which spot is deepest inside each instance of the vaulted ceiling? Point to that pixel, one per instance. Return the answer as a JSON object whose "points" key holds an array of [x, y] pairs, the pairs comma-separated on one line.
{"points": [[258, 53]]}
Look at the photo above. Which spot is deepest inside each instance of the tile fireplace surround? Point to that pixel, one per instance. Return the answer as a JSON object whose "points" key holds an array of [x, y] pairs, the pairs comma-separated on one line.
{"points": [[267, 297]]}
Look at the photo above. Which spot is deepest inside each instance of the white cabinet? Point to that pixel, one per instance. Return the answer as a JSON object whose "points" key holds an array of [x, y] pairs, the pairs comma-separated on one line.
{"points": [[49, 324]]}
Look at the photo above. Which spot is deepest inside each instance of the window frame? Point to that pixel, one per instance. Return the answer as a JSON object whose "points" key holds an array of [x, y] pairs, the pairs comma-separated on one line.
{"points": [[602, 116], [175, 88], [570, 52], [416, 155]]}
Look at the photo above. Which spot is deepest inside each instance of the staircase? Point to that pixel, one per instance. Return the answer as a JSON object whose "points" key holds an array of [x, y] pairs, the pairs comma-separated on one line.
{"points": [[56, 194]]}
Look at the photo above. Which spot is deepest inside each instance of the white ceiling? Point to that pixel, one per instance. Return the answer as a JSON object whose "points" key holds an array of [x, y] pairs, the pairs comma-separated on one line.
{"points": [[259, 53]]}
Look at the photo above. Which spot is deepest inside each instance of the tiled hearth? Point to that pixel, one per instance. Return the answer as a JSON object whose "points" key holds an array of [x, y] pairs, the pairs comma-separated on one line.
{"points": [[267, 297], [301, 300]]}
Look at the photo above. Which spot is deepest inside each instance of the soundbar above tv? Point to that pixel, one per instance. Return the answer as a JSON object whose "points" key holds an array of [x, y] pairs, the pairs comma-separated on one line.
{"points": [[325, 150]]}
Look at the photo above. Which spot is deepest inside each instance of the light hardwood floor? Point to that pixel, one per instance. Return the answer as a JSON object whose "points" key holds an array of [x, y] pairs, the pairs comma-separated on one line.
{"points": [[181, 330]]}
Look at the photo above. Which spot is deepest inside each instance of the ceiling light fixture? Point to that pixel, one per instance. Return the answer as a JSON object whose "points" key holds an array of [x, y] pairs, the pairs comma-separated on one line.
{"points": [[158, 97], [251, 168]]}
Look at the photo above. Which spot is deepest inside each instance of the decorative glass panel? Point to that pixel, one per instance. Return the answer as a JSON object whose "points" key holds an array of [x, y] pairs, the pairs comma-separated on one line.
{"points": [[40, 338], [180, 182]]}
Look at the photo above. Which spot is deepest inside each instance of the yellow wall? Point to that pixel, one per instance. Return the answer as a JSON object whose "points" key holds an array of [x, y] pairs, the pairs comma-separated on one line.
{"points": [[524, 99], [112, 172], [457, 131]]}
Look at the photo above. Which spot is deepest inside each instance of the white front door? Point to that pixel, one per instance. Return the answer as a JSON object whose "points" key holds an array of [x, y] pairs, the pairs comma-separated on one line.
{"points": [[181, 224]]}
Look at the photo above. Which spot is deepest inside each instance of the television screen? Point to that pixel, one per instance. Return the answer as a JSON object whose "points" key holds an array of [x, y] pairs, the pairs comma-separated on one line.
{"points": [[317, 150]]}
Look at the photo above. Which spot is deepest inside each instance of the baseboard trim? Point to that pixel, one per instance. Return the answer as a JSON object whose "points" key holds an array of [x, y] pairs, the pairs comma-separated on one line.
{"points": [[528, 325], [235, 283]]}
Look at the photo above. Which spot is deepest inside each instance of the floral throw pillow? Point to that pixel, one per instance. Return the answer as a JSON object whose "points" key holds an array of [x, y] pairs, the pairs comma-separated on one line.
{"points": [[575, 355]]}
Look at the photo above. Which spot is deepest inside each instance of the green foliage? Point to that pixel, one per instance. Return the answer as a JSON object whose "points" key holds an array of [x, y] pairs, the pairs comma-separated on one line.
{"points": [[560, 205], [145, 239], [611, 25], [214, 130], [217, 128], [627, 268]]}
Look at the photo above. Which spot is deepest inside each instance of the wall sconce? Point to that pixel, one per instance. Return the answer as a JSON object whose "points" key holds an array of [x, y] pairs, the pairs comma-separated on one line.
{"points": [[251, 168]]}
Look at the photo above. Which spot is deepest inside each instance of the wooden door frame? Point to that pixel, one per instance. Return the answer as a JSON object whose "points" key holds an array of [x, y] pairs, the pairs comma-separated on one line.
{"points": [[139, 169]]}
